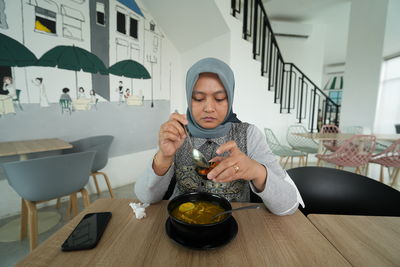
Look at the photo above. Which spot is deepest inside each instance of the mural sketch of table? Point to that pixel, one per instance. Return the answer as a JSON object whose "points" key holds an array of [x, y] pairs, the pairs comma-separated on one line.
{"points": [[81, 104], [6, 104]]}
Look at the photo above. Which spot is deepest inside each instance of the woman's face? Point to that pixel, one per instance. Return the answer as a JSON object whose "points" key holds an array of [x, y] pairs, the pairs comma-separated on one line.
{"points": [[209, 101]]}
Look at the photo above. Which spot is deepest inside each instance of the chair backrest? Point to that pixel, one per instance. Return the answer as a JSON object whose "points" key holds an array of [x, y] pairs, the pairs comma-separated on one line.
{"points": [[299, 141], [272, 141], [332, 191], [65, 103], [17, 94], [101, 144], [389, 157], [49, 177], [330, 128], [355, 151]]}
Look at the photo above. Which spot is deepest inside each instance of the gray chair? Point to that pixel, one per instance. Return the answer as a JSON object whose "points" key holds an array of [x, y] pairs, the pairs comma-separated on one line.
{"points": [[47, 178], [283, 151], [101, 144], [303, 144]]}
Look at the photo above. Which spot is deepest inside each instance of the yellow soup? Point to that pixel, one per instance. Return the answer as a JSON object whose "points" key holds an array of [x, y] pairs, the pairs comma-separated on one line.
{"points": [[199, 212]]}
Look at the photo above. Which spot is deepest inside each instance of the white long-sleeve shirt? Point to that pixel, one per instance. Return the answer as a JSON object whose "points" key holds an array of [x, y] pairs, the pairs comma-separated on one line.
{"points": [[280, 194]]}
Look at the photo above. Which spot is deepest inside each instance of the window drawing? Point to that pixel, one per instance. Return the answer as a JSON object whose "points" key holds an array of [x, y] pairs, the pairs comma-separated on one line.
{"points": [[100, 14], [152, 26], [135, 52], [121, 49], [72, 21], [79, 1], [121, 22], [3, 18], [133, 28], [45, 21], [45, 16]]}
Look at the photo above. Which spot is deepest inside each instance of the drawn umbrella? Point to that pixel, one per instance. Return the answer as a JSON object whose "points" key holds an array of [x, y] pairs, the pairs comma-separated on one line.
{"points": [[131, 69], [15, 54], [72, 58]]}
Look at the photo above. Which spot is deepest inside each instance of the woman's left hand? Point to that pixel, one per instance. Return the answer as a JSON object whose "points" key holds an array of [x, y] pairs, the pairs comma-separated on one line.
{"points": [[237, 166]]}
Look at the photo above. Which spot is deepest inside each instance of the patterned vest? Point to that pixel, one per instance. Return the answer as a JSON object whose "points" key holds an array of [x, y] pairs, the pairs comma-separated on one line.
{"points": [[187, 179]]}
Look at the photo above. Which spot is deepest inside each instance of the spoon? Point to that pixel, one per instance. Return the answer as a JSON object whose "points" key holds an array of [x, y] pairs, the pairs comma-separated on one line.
{"points": [[241, 208], [197, 156]]}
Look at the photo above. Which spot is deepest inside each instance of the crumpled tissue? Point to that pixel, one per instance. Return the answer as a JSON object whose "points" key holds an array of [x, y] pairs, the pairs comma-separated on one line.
{"points": [[139, 209]]}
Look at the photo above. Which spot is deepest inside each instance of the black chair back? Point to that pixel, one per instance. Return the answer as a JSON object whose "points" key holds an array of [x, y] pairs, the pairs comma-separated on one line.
{"points": [[332, 191]]}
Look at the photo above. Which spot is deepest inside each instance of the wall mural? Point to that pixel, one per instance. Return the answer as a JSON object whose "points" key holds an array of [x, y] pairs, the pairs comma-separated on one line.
{"points": [[88, 52]]}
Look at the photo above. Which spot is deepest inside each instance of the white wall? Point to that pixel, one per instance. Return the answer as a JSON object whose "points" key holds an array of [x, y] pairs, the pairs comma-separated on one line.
{"points": [[306, 53], [252, 103], [363, 64]]}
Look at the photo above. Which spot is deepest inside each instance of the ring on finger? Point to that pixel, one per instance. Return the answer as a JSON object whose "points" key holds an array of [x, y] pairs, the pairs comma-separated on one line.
{"points": [[236, 167]]}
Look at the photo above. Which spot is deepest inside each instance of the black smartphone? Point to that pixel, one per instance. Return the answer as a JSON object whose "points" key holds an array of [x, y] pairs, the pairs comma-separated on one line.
{"points": [[88, 232]]}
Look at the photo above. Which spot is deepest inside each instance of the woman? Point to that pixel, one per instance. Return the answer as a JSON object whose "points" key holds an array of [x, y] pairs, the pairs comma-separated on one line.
{"points": [[245, 160], [43, 101], [8, 87]]}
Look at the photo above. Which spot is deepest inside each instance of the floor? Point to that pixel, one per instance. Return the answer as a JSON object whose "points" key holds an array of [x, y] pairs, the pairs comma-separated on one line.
{"points": [[12, 252]]}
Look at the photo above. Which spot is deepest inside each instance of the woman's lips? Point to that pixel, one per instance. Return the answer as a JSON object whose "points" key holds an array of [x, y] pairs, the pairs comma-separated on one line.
{"points": [[209, 119]]}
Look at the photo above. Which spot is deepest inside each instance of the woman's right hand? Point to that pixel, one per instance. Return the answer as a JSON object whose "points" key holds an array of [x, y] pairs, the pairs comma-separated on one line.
{"points": [[170, 138]]}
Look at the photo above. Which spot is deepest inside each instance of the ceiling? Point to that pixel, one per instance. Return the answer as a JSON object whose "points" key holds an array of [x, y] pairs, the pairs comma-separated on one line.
{"points": [[298, 10]]}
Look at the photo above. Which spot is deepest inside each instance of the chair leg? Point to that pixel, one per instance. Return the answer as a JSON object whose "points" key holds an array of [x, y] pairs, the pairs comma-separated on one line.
{"points": [[24, 219], [306, 164], [74, 204], [58, 205], [284, 165], [33, 226], [381, 174], [395, 175], [85, 197], [319, 163], [108, 183], [291, 162], [96, 183]]}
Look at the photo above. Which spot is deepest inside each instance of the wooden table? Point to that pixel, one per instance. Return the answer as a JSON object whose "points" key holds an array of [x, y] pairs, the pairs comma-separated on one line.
{"points": [[6, 105], [263, 239], [362, 240], [342, 136], [23, 148]]}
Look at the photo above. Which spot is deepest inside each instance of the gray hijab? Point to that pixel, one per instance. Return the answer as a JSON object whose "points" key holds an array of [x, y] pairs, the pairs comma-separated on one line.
{"points": [[225, 74]]}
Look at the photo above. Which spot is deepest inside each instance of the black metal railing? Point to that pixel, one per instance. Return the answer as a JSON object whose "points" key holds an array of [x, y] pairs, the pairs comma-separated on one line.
{"points": [[293, 90]]}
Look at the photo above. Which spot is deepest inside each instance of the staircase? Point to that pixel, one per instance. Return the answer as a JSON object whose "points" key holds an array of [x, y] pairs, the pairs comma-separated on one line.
{"points": [[293, 90]]}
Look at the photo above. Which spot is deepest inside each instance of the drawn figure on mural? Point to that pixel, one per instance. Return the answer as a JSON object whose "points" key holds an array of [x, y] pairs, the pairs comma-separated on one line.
{"points": [[81, 93], [65, 95], [43, 101], [93, 99], [8, 87], [120, 91], [127, 93]]}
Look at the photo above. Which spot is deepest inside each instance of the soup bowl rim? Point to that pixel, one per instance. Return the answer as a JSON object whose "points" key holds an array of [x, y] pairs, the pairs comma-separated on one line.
{"points": [[187, 195]]}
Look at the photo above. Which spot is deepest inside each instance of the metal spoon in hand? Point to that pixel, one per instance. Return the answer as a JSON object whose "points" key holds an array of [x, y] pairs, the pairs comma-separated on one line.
{"points": [[198, 158], [241, 208]]}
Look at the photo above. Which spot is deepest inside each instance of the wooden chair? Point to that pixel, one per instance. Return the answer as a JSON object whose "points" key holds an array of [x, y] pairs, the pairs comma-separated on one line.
{"points": [[303, 144], [101, 144], [331, 145], [283, 151], [48, 178], [354, 152], [389, 158]]}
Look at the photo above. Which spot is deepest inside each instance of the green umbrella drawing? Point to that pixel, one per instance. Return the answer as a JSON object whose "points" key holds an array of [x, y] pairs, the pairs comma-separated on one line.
{"points": [[131, 69], [15, 54], [72, 58]]}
